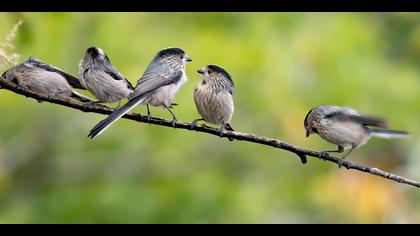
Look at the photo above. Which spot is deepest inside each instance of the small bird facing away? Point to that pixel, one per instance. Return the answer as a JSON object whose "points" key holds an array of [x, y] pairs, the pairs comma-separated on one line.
{"points": [[346, 128], [158, 86], [213, 97], [101, 78], [40, 77]]}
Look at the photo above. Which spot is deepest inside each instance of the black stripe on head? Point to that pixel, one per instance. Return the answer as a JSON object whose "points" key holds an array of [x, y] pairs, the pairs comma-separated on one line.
{"points": [[170, 51], [305, 123], [93, 51], [220, 70]]}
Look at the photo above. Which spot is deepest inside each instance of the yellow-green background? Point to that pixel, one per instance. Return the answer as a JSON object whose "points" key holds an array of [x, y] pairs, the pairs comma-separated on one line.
{"points": [[282, 64]]}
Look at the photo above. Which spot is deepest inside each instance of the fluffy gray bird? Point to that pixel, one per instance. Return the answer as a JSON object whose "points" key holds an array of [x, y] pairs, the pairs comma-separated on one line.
{"points": [[40, 77], [158, 86], [213, 97], [101, 78], [346, 128]]}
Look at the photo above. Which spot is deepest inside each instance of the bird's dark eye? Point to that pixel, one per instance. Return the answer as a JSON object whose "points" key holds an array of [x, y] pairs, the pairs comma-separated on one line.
{"points": [[209, 71], [182, 57], [314, 130]]}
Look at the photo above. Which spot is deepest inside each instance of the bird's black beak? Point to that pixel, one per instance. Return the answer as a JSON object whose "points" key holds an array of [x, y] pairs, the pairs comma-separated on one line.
{"points": [[189, 59], [307, 133], [200, 71]]}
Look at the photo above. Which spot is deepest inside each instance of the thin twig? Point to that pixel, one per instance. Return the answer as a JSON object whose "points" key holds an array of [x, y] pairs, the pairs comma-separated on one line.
{"points": [[300, 152]]}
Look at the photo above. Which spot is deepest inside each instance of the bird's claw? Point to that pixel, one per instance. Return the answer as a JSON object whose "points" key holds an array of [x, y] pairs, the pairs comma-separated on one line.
{"points": [[340, 163], [88, 105], [322, 154], [174, 120], [193, 124], [221, 132], [173, 104]]}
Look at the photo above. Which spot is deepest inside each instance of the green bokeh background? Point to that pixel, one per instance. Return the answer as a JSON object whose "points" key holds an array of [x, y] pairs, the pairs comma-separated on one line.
{"points": [[283, 64]]}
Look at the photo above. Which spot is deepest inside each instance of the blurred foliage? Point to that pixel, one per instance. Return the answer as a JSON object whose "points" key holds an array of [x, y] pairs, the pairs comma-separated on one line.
{"points": [[283, 64], [7, 56]]}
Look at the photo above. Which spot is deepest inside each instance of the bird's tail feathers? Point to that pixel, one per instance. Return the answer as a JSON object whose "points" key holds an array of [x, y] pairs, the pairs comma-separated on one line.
{"points": [[388, 134], [118, 113], [81, 97]]}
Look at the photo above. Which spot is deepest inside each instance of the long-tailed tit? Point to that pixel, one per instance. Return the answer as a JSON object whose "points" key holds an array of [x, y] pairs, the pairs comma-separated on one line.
{"points": [[346, 128], [158, 86], [101, 78], [213, 97], [40, 77]]}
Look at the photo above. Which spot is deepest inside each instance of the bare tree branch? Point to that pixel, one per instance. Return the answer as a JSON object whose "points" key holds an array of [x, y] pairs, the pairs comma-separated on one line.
{"points": [[302, 153]]}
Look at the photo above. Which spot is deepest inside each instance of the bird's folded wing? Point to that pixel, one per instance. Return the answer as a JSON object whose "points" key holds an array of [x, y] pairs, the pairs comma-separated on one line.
{"points": [[117, 75], [157, 74], [362, 119], [72, 80]]}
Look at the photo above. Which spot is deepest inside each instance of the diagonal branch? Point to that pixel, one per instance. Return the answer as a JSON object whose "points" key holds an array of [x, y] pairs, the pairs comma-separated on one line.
{"points": [[302, 153]]}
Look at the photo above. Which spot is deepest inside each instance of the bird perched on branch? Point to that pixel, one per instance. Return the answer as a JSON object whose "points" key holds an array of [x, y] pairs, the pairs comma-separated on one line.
{"points": [[40, 77], [346, 128], [213, 97], [158, 86], [101, 78]]}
